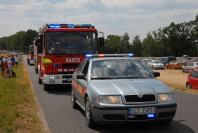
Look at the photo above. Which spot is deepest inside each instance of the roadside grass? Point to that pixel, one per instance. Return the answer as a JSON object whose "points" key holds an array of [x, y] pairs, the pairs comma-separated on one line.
{"points": [[176, 79], [18, 109]]}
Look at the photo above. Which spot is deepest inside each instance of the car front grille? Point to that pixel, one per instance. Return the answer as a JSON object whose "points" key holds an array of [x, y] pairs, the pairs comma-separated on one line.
{"points": [[136, 98], [114, 116]]}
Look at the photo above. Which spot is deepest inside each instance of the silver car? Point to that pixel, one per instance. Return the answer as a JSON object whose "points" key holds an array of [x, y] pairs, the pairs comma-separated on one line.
{"points": [[121, 89], [190, 66], [155, 64]]}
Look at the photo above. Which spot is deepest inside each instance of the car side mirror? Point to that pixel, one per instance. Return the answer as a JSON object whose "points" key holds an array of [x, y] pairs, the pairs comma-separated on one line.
{"points": [[81, 76], [156, 74]]}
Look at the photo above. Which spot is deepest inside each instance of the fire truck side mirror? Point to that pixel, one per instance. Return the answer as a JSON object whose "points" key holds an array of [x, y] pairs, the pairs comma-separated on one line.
{"points": [[101, 42]]}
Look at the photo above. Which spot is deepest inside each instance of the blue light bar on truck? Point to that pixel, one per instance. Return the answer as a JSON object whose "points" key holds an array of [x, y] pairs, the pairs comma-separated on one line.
{"points": [[86, 25], [54, 26], [109, 55], [70, 25]]}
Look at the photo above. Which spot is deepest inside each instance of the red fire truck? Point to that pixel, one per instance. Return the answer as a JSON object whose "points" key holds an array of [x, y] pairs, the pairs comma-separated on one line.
{"points": [[60, 48], [30, 55]]}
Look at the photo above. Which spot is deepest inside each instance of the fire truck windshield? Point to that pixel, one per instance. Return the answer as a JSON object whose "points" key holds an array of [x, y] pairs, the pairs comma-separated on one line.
{"points": [[71, 42]]}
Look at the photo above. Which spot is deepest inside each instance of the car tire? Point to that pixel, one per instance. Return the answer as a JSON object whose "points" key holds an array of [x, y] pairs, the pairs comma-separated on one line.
{"points": [[188, 86], [73, 100], [88, 114]]}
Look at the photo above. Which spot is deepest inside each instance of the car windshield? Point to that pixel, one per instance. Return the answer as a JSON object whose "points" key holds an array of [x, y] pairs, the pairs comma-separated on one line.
{"points": [[118, 69], [71, 42]]}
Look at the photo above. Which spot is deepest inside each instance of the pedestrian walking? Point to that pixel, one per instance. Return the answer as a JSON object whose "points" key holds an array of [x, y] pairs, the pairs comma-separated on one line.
{"points": [[10, 65], [5, 67], [16, 60], [1, 65]]}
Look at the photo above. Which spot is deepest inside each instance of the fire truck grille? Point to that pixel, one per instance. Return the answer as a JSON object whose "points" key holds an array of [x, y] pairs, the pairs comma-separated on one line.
{"points": [[65, 72], [144, 98], [70, 65]]}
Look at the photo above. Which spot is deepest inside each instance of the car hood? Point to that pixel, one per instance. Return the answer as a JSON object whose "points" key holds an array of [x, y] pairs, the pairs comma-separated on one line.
{"points": [[129, 86]]}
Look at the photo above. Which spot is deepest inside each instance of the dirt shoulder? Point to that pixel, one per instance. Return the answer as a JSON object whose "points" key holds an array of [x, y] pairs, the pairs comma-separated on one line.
{"points": [[176, 79]]}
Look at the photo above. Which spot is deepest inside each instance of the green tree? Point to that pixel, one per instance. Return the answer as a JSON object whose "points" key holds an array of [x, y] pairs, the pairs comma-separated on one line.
{"points": [[137, 46]]}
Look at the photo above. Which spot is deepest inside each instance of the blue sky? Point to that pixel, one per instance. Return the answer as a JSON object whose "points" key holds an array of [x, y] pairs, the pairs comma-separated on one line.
{"points": [[137, 17]]}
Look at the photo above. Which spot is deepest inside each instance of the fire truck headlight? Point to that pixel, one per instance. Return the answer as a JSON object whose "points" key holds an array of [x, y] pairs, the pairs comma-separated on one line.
{"points": [[51, 77], [47, 61]]}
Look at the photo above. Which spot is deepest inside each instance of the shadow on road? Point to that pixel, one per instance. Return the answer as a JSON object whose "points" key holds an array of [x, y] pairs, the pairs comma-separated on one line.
{"points": [[59, 90], [174, 127]]}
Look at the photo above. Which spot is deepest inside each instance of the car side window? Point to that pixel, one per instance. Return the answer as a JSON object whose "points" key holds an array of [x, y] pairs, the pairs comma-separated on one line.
{"points": [[85, 69], [194, 74]]}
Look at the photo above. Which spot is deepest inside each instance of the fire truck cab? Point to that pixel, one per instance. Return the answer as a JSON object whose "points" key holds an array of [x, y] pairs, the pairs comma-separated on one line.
{"points": [[30, 55], [60, 48]]}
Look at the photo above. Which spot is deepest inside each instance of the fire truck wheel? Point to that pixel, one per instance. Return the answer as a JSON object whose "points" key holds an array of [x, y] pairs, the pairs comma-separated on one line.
{"points": [[46, 86], [40, 81], [36, 70]]}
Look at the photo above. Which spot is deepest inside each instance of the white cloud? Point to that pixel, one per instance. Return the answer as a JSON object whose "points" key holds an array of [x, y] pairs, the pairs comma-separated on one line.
{"points": [[187, 1], [111, 16], [129, 3]]}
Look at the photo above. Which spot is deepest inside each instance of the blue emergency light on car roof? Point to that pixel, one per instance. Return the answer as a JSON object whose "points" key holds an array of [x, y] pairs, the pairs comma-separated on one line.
{"points": [[88, 55], [109, 55]]}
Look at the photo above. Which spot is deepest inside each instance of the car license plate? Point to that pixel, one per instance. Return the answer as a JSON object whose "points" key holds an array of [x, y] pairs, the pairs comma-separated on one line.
{"points": [[144, 110]]}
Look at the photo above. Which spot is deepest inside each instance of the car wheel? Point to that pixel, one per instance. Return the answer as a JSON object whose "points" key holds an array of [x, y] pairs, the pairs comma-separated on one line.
{"points": [[73, 99], [188, 86], [88, 114]]}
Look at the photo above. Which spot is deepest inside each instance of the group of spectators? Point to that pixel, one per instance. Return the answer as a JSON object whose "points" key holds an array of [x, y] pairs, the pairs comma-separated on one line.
{"points": [[6, 64]]}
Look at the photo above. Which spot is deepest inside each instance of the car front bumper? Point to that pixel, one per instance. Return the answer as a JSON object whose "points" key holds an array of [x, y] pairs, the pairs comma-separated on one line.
{"points": [[120, 114], [57, 79]]}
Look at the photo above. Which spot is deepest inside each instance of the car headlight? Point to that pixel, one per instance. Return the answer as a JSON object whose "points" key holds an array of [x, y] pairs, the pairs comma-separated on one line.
{"points": [[166, 97], [109, 99]]}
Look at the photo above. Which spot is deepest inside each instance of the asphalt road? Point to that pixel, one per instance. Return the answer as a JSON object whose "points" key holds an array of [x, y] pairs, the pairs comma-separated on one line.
{"points": [[62, 118]]}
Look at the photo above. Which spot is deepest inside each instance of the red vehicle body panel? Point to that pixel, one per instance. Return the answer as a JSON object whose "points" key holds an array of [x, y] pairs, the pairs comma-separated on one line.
{"points": [[193, 81]]}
